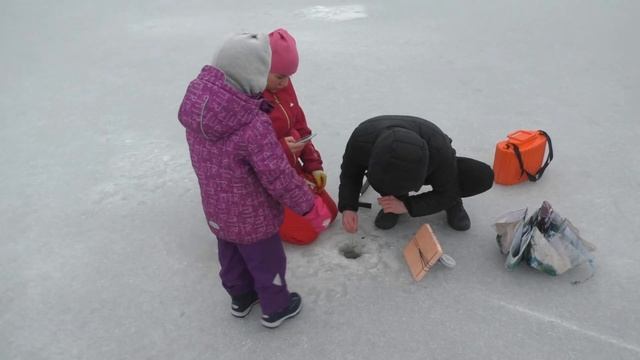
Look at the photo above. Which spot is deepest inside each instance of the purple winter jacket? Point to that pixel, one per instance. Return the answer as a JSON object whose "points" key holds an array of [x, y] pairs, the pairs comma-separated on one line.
{"points": [[244, 175]]}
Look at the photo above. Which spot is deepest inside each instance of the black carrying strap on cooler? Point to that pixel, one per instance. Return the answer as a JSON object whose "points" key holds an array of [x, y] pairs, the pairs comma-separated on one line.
{"points": [[537, 175]]}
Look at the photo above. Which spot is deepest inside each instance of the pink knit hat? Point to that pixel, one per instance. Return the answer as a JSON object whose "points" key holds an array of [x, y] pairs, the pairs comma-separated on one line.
{"points": [[284, 55]]}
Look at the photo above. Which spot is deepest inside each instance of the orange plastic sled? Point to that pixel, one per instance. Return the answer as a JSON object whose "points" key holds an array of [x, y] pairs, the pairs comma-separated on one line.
{"points": [[520, 157]]}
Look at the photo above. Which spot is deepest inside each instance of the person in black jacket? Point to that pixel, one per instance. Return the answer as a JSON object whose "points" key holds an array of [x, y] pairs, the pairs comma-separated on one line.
{"points": [[400, 154]]}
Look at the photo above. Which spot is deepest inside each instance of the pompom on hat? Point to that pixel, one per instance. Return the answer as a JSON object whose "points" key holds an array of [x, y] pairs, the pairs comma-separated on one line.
{"points": [[284, 54]]}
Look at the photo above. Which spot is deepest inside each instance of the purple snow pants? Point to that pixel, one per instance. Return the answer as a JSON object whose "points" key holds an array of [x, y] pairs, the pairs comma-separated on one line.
{"points": [[260, 266]]}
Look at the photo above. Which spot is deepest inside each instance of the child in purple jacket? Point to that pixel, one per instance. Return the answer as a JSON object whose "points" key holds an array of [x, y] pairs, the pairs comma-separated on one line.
{"points": [[244, 176]]}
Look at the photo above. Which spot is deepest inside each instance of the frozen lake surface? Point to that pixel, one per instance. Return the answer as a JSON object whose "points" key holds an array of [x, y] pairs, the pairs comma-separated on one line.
{"points": [[104, 251]]}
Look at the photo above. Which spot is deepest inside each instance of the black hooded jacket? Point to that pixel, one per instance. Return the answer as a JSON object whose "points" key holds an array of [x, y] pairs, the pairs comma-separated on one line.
{"points": [[441, 170]]}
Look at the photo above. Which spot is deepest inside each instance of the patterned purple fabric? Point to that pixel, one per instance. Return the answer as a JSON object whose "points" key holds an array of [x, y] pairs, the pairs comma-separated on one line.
{"points": [[243, 173]]}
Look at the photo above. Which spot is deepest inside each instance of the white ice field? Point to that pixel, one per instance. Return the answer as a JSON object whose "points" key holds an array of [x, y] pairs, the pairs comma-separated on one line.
{"points": [[104, 250]]}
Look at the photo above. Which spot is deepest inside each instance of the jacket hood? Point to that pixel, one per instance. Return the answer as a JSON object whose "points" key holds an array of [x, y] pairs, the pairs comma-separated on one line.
{"points": [[245, 60], [398, 163], [213, 108]]}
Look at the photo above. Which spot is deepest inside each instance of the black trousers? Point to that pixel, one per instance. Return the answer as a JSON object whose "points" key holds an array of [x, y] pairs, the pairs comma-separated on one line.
{"points": [[474, 177]]}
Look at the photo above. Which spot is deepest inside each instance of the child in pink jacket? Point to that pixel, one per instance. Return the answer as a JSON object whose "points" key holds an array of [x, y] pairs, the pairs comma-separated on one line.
{"points": [[244, 176]]}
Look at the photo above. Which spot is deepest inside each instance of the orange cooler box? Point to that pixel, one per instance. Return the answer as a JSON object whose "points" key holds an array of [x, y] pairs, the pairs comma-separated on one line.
{"points": [[520, 157]]}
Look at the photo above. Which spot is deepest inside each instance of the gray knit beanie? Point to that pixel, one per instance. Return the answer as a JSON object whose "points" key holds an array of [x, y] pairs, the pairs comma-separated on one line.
{"points": [[245, 60]]}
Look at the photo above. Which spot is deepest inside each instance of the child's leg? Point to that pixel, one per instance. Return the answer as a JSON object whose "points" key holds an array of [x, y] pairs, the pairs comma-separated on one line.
{"points": [[267, 263], [235, 275]]}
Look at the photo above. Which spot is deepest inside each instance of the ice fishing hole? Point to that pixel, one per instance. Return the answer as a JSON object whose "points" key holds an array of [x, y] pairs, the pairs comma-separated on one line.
{"points": [[351, 251]]}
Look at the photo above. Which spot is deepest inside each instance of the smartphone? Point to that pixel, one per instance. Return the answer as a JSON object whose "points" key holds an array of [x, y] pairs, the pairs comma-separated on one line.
{"points": [[306, 139]]}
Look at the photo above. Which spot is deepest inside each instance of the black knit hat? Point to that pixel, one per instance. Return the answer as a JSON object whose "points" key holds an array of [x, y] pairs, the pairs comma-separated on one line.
{"points": [[398, 163]]}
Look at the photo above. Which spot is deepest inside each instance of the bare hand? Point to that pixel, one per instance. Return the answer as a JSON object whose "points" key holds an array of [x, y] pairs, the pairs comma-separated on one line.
{"points": [[350, 221], [294, 147], [391, 204]]}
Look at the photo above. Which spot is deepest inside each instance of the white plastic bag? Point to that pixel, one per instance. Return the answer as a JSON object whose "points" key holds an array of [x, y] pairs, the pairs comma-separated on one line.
{"points": [[506, 225], [547, 241]]}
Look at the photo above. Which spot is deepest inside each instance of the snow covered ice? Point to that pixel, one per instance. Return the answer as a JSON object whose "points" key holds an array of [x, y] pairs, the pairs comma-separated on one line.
{"points": [[105, 252]]}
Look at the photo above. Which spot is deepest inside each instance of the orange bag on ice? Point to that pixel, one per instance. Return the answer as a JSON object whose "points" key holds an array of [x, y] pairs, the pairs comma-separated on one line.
{"points": [[520, 157]]}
